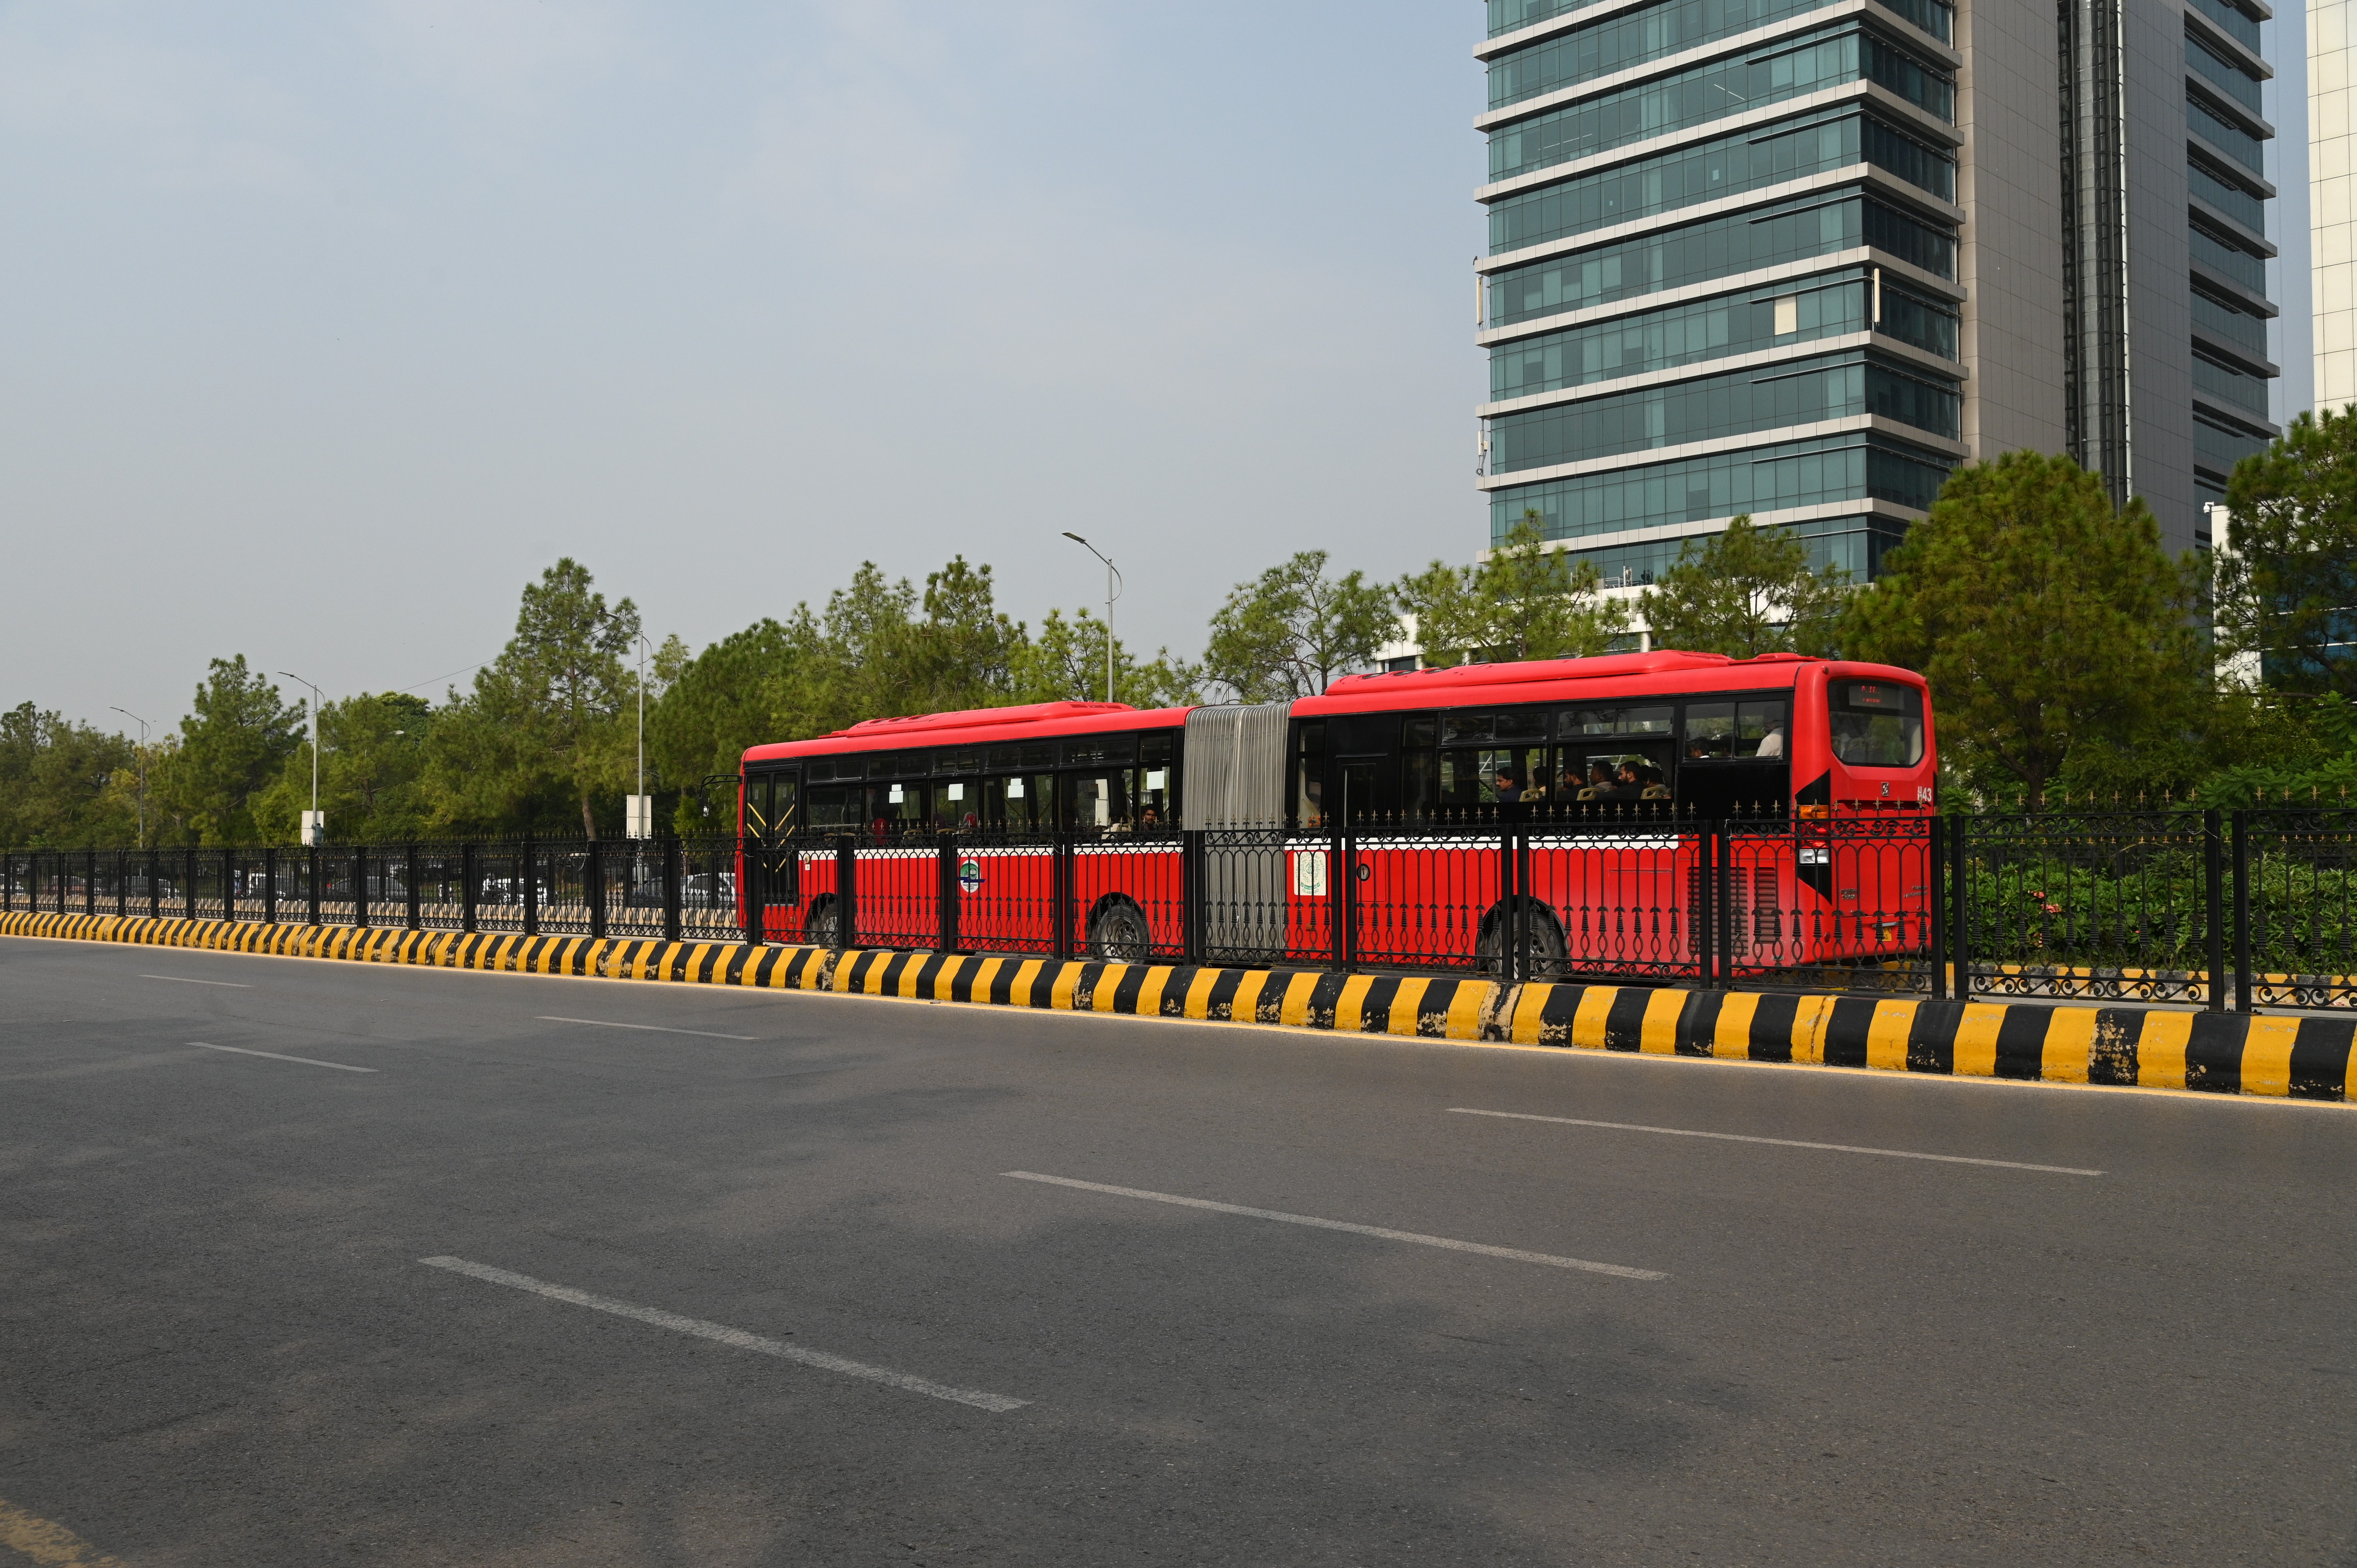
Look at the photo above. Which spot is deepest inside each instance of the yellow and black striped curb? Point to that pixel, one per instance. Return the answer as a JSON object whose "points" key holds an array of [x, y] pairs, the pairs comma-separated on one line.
{"points": [[2306, 1059]]}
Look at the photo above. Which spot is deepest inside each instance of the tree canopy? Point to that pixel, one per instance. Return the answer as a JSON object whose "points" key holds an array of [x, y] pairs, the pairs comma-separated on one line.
{"points": [[1291, 631], [2046, 621], [2288, 589], [1524, 601], [1745, 592], [236, 737]]}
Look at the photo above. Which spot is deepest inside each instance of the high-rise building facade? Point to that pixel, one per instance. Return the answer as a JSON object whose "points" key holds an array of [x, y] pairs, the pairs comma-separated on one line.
{"points": [[1799, 258], [2332, 220]]}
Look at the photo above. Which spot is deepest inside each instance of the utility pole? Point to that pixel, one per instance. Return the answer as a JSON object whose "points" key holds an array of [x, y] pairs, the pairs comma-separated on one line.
{"points": [[642, 806], [135, 718], [314, 825], [1112, 592]]}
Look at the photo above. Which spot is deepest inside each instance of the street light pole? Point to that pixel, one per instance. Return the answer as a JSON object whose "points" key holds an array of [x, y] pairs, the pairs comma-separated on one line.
{"points": [[135, 718], [1112, 592], [312, 824]]}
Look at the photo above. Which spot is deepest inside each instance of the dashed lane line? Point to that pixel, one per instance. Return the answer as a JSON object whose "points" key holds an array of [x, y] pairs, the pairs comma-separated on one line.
{"points": [[721, 1333], [1780, 1142], [1514, 1253]]}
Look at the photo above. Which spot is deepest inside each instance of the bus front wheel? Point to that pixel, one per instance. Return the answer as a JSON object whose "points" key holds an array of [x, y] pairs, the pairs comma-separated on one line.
{"points": [[1118, 933]]}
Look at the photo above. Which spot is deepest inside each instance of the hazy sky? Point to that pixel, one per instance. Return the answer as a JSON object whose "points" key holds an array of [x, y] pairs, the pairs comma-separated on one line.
{"points": [[328, 326]]}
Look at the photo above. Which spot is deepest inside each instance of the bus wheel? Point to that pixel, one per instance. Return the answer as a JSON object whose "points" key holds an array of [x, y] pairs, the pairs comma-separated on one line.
{"points": [[819, 926], [1549, 954], [1118, 933]]}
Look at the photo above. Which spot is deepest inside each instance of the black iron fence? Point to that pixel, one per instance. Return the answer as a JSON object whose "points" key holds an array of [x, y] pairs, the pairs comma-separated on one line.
{"points": [[2244, 910]]}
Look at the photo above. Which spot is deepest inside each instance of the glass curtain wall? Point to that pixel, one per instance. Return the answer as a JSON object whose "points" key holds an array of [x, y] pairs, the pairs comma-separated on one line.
{"points": [[1833, 383]]}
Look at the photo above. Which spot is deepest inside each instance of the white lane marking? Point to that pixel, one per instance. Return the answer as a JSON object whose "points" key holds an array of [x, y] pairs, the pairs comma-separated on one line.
{"points": [[1517, 1254], [1780, 1142], [650, 1028], [724, 1335], [184, 980], [273, 1055]]}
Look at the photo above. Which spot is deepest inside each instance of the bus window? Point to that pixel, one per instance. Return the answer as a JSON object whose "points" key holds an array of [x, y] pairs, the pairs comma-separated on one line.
{"points": [[1420, 781], [898, 807], [1309, 773], [1457, 729], [1097, 801], [960, 802], [1026, 803], [785, 815], [1584, 723], [1877, 724], [1514, 773], [1155, 785], [834, 808], [1472, 776], [1529, 723], [1710, 731], [1716, 731]]}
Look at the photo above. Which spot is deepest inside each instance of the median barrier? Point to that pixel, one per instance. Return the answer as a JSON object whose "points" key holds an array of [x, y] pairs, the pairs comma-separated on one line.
{"points": [[2304, 1058]]}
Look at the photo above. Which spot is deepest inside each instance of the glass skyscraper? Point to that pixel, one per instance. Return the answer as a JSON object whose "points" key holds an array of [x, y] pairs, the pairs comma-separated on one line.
{"points": [[1799, 258]]}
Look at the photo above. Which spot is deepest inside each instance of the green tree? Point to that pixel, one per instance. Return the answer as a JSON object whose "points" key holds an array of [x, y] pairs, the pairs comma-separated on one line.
{"points": [[65, 784], [738, 692], [2046, 621], [1745, 592], [1291, 631], [962, 654], [1066, 662], [544, 733], [1525, 601], [2288, 589], [371, 773], [234, 743]]}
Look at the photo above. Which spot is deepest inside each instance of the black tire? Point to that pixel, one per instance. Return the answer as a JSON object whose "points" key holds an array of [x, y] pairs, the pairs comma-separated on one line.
{"points": [[819, 927], [1119, 934], [1549, 953]]}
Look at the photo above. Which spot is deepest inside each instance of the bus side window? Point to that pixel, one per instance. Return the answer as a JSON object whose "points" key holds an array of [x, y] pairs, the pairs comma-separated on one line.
{"points": [[1155, 785], [898, 807], [785, 812], [1097, 801], [1309, 802], [1419, 795], [1420, 784], [1024, 803], [959, 802], [834, 808]]}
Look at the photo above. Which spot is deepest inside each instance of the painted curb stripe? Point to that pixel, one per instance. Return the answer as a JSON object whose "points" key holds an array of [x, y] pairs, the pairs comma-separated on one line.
{"points": [[2301, 1059]]}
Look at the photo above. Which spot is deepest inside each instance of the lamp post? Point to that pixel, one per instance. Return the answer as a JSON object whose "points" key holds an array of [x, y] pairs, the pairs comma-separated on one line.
{"points": [[1112, 592], [312, 822], [135, 718], [642, 807]]}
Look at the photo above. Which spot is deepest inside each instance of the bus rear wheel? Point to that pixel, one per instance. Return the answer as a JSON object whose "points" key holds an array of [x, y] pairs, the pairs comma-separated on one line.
{"points": [[820, 926], [1118, 933], [1548, 953]]}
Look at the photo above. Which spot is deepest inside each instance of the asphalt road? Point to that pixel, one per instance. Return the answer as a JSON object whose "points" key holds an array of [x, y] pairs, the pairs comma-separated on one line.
{"points": [[773, 1299]]}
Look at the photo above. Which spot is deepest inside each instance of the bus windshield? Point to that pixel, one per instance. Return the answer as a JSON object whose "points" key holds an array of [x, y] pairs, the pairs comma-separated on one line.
{"points": [[1877, 724]]}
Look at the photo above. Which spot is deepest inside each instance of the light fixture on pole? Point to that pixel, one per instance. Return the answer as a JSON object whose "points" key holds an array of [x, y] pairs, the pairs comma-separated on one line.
{"points": [[135, 718], [1112, 592], [641, 813], [315, 826]]}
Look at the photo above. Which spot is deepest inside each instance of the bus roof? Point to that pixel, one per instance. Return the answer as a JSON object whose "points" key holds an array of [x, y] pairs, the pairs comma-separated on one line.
{"points": [[975, 726], [1667, 671]]}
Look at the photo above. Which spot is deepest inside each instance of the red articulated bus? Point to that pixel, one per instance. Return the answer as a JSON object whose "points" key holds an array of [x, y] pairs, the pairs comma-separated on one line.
{"points": [[1416, 819]]}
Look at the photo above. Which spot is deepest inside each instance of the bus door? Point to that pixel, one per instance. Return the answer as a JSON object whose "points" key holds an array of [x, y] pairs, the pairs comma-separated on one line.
{"points": [[773, 816], [1735, 766], [1006, 874]]}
